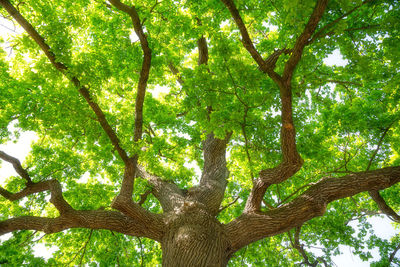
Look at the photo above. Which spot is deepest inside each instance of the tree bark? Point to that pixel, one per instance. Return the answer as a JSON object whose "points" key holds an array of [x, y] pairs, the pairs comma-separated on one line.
{"points": [[194, 237]]}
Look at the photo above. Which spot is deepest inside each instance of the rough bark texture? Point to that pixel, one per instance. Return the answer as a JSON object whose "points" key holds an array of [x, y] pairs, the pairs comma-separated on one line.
{"points": [[194, 237]]}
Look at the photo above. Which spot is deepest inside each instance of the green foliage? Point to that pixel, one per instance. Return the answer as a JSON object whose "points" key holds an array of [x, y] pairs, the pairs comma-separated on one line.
{"points": [[341, 113]]}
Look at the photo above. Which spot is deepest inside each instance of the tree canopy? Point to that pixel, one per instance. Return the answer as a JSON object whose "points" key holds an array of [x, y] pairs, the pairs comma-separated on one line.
{"points": [[226, 112]]}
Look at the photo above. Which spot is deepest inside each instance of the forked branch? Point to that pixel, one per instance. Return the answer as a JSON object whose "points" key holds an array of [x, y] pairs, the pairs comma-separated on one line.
{"points": [[291, 160], [53, 186], [266, 66], [144, 224], [169, 194], [303, 39], [50, 185]]}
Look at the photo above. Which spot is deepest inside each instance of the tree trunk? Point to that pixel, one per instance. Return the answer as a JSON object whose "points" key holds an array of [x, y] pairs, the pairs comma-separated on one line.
{"points": [[194, 238]]}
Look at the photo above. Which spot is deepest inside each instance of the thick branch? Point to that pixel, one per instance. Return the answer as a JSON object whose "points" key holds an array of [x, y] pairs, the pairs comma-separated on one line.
{"points": [[312, 203], [128, 181], [203, 51], [96, 219], [17, 166], [169, 194], [64, 70], [213, 179], [291, 160]]}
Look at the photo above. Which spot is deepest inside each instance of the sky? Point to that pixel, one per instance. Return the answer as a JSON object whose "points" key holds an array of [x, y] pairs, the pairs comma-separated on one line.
{"points": [[382, 226]]}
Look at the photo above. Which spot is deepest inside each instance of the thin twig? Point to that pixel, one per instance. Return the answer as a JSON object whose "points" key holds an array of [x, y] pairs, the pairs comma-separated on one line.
{"points": [[393, 254], [230, 203], [141, 252], [84, 248]]}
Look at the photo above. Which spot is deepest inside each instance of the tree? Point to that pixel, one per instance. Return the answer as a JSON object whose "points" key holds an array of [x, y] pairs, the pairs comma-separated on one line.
{"points": [[291, 149]]}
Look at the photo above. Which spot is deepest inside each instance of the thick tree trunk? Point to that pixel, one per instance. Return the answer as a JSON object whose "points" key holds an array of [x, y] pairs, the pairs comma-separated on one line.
{"points": [[194, 238]]}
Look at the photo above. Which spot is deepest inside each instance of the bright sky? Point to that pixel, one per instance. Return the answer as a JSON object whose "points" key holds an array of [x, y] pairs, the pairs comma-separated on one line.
{"points": [[382, 226]]}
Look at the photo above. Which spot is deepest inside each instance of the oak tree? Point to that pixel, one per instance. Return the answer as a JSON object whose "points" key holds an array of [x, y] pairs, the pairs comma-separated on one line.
{"points": [[129, 98]]}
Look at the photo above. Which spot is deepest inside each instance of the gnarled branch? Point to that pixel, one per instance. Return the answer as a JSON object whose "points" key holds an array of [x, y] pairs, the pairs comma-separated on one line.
{"points": [[52, 185], [291, 160]]}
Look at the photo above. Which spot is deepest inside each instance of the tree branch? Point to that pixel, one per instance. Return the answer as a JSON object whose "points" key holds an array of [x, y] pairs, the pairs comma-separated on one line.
{"points": [[229, 204], [124, 202], [303, 39], [375, 195], [299, 247], [128, 180], [383, 206], [52, 185], [267, 66], [210, 191], [291, 161], [213, 178], [17, 166], [203, 51], [321, 32], [393, 254], [95, 219], [378, 147], [169, 194], [83, 90], [175, 71], [250, 227]]}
